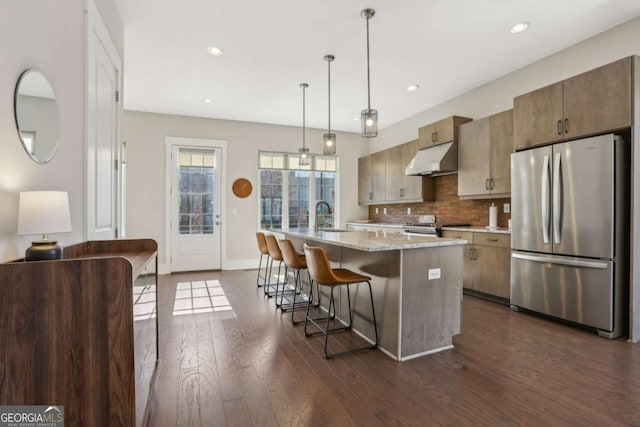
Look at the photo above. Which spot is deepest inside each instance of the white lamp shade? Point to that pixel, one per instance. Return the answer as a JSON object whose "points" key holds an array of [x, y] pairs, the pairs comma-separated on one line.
{"points": [[43, 212]]}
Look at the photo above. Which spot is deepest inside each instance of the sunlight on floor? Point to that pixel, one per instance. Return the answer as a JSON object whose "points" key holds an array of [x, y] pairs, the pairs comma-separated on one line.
{"points": [[200, 297], [144, 302]]}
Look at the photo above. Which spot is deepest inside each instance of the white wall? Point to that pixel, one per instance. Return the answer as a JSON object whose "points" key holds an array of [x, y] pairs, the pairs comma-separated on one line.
{"points": [[145, 136], [47, 35], [497, 95]]}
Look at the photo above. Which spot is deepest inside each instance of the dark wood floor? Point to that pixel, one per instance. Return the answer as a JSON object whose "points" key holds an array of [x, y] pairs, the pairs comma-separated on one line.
{"points": [[250, 367]]}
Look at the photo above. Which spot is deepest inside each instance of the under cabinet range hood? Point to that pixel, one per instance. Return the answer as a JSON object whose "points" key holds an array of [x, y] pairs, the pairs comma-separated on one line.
{"points": [[436, 160]]}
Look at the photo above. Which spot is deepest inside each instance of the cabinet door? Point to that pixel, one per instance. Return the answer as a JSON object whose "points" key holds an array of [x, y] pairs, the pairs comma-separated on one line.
{"points": [[467, 261], [473, 158], [425, 136], [501, 136], [598, 100], [394, 173], [537, 117], [378, 173], [365, 192], [491, 271], [411, 185]]}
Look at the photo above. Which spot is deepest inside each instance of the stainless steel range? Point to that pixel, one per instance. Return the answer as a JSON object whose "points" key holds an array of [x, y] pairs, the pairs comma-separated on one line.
{"points": [[427, 225]]}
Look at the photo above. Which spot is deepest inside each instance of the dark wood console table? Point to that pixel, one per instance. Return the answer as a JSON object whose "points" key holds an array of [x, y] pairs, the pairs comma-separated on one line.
{"points": [[82, 332]]}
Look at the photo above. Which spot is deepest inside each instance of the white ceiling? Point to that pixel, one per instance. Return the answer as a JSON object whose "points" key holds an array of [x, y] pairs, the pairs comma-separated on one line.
{"points": [[446, 46]]}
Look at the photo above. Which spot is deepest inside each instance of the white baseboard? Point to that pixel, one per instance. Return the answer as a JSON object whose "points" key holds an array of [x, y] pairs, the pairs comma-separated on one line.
{"points": [[236, 264]]}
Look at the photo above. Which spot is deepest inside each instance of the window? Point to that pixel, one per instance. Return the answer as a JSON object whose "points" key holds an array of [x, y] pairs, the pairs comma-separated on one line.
{"points": [[196, 192], [289, 192]]}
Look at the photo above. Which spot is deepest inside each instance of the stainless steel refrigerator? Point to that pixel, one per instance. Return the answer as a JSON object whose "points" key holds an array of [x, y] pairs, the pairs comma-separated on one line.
{"points": [[569, 241]]}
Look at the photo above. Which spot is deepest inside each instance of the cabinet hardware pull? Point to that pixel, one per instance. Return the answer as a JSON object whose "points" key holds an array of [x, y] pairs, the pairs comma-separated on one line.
{"points": [[471, 254], [370, 196], [559, 127], [492, 240], [402, 192], [433, 136], [486, 184], [475, 254], [490, 183], [436, 136], [566, 125]]}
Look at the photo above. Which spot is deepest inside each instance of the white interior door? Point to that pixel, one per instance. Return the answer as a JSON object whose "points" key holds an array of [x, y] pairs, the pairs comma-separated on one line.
{"points": [[196, 196], [103, 73]]}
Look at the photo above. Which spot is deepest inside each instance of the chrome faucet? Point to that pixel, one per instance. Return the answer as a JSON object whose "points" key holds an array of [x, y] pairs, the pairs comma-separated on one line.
{"points": [[322, 214]]}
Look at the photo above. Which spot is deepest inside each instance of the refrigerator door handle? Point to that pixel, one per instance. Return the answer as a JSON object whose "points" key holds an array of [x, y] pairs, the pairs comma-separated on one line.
{"points": [[545, 199], [561, 261], [557, 199]]}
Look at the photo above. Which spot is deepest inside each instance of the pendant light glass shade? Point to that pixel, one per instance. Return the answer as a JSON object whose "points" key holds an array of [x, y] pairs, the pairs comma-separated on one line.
{"points": [[369, 117], [303, 153], [329, 139]]}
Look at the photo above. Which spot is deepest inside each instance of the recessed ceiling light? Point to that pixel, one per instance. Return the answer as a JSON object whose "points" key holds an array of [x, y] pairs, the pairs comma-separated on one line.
{"points": [[214, 51], [207, 101], [519, 27], [412, 88]]}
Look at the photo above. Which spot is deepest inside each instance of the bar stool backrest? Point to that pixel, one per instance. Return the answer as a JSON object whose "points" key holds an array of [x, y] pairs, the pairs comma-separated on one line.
{"points": [[291, 257], [274, 249], [319, 266], [262, 243]]}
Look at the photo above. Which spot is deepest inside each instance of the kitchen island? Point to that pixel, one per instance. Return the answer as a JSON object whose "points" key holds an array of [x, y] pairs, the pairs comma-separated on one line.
{"points": [[416, 283]]}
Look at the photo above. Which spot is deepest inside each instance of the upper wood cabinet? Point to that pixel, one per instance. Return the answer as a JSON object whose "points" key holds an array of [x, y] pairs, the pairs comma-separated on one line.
{"points": [[371, 178], [381, 177], [440, 132], [484, 156], [590, 103]]}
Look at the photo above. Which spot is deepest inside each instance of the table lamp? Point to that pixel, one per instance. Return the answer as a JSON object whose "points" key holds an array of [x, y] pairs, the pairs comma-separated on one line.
{"points": [[43, 212]]}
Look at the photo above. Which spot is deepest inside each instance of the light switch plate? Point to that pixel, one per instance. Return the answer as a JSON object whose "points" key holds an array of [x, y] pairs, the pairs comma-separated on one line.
{"points": [[384, 211], [507, 207], [434, 273]]}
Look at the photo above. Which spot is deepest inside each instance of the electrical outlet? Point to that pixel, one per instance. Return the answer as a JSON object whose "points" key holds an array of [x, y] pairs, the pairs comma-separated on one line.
{"points": [[408, 211], [376, 211], [384, 211], [434, 273], [507, 207]]}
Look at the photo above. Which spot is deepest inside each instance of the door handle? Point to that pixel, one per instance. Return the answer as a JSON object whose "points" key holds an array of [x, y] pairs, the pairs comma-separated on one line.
{"points": [[544, 202], [557, 199]]}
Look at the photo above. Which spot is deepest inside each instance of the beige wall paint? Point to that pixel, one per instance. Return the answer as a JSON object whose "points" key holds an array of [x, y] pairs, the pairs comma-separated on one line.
{"points": [[47, 35], [146, 195], [498, 94]]}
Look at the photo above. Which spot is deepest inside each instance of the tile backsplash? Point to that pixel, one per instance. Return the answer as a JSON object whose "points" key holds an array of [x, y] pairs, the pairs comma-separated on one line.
{"points": [[447, 207]]}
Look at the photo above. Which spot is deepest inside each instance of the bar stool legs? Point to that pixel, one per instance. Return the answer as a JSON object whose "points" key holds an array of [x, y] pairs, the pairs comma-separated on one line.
{"points": [[328, 330]]}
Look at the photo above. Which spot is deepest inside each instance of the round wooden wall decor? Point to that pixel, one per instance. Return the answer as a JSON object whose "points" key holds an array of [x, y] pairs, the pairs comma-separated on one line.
{"points": [[242, 187]]}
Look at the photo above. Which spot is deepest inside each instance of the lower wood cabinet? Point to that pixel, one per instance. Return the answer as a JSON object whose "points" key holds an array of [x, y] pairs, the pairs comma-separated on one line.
{"points": [[486, 263]]}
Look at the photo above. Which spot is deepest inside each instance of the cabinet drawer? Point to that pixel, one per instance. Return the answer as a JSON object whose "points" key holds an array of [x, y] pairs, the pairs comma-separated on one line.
{"points": [[466, 235], [492, 239]]}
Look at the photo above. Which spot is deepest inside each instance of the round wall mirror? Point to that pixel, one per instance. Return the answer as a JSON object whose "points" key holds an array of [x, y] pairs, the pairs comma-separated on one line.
{"points": [[37, 116]]}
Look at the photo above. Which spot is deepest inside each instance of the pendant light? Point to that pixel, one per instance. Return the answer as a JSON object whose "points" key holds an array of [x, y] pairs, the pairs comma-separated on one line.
{"points": [[369, 117], [329, 139], [303, 153]]}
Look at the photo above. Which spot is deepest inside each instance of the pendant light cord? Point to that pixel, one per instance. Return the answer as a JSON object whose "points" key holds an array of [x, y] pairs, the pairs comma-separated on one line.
{"points": [[329, 91], [368, 73], [303, 115]]}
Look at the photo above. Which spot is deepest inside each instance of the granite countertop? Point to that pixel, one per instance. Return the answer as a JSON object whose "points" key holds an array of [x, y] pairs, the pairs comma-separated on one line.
{"points": [[472, 229], [370, 241], [479, 229], [378, 224]]}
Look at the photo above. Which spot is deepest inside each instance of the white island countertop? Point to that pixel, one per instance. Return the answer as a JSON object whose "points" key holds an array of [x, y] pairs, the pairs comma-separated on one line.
{"points": [[370, 241]]}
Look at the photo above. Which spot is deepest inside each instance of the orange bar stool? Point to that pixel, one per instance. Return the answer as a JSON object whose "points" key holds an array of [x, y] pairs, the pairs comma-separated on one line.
{"points": [[322, 274], [274, 289], [297, 262], [264, 250]]}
